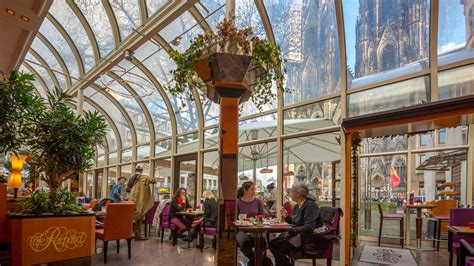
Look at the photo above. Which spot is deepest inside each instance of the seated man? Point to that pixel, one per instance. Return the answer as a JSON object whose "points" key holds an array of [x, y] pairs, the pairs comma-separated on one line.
{"points": [[307, 217]]}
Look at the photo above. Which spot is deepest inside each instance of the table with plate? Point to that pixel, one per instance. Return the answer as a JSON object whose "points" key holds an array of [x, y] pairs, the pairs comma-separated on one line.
{"points": [[258, 232]]}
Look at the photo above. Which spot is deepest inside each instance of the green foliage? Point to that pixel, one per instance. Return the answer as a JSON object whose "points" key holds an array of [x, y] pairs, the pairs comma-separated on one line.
{"points": [[63, 143], [19, 110], [267, 62], [60, 203]]}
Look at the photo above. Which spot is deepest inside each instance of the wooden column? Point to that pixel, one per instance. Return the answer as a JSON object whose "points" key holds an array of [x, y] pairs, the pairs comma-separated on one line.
{"points": [[229, 129]]}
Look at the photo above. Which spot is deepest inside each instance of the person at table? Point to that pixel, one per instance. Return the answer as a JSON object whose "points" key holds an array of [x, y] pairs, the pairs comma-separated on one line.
{"points": [[116, 192], [143, 198], [252, 206], [307, 217], [180, 203], [210, 215]]}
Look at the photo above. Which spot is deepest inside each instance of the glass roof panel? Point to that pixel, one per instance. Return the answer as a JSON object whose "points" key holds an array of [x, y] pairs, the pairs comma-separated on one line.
{"points": [[150, 96], [307, 36], [160, 64], [155, 5], [455, 31], [130, 104], [119, 120], [63, 48], [39, 47], [246, 15], [97, 18], [127, 14], [212, 10], [387, 38], [65, 16], [110, 136], [180, 32], [43, 74]]}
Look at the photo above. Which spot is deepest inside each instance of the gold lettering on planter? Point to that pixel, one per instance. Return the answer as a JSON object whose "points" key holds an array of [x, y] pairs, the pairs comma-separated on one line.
{"points": [[60, 237]]}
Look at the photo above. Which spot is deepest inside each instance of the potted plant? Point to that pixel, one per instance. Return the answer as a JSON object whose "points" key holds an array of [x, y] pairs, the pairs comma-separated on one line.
{"points": [[234, 60], [62, 144]]}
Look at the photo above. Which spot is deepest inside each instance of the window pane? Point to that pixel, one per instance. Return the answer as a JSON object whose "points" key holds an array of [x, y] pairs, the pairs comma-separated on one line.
{"points": [[111, 179], [455, 31], [101, 160], [312, 161], [211, 173], [98, 183], [99, 21], [163, 147], [442, 136], [143, 152], [306, 32], [127, 155], [113, 158], [456, 82], [89, 184], [211, 138], [66, 17], [383, 180], [39, 47], [317, 115], [155, 5], [387, 38], [384, 144], [41, 71], [258, 128], [255, 158], [110, 135], [127, 14], [187, 143], [214, 7], [389, 97], [162, 174]]}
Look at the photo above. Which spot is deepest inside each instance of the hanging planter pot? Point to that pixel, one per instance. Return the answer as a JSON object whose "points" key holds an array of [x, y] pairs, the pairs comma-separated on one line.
{"points": [[226, 73]]}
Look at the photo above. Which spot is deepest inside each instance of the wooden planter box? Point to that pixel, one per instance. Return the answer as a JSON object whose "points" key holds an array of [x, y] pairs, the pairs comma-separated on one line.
{"points": [[4, 225], [50, 238], [227, 74]]}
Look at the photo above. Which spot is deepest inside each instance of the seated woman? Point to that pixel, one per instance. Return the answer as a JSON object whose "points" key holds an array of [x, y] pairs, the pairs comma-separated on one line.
{"points": [[307, 217], [209, 217], [247, 204], [180, 203]]}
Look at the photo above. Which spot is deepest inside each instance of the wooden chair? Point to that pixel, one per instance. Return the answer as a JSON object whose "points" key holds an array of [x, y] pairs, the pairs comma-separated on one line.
{"points": [[391, 217], [117, 226], [440, 217]]}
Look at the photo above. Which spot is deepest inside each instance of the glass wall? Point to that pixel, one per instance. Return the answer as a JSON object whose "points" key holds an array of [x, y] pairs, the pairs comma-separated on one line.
{"points": [[258, 163], [111, 178], [211, 173], [162, 173]]}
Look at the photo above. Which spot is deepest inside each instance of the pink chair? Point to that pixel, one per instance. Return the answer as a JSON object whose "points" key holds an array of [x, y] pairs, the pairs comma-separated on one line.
{"points": [[230, 214], [149, 216], [206, 229], [165, 223], [459, 217], [329, 239]]}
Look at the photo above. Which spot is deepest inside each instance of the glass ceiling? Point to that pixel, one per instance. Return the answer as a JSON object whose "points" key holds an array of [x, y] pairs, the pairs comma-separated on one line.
{"points": [[382, 43]]}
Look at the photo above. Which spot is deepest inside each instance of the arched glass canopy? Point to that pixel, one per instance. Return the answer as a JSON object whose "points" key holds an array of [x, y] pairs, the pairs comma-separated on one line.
{"points": [[344, 58]]}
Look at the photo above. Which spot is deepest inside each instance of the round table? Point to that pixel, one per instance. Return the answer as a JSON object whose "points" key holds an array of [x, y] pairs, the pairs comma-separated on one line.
{"points": [[419, 224]]}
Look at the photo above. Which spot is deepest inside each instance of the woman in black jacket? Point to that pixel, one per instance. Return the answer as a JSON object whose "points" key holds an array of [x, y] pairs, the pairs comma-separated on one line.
{"points": [[180, 203], [307, 217]]}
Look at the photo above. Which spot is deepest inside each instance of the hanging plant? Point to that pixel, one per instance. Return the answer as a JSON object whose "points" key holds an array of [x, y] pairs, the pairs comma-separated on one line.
{"points": [[232, 57]]}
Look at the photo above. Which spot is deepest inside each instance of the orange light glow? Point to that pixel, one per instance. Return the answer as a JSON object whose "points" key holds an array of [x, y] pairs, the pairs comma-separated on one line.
{"points": [[25, 18], [10, 12], [17, 165]]}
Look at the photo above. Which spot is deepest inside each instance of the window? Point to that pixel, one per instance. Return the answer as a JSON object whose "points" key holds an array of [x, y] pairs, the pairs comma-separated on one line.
{"points": [[422, 158], [442, 136], [388, 58], [424, 139]]}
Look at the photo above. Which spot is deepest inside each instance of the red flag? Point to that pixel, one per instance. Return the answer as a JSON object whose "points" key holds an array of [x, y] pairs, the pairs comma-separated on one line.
{"points": [[394, 178]]}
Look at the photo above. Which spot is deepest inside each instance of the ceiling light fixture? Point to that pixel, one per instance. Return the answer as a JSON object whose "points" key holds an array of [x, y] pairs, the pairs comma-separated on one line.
{"points": [[25, 18], [10, 12], [128, 55]]}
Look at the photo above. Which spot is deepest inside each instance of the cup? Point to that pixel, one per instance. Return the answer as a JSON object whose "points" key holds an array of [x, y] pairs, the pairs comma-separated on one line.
{"points": [[190, 210], [471, 225], [242, 216]]}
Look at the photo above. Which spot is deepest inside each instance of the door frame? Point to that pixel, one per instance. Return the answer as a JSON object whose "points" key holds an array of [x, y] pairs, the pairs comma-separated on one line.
{"points": [[177, 161]]}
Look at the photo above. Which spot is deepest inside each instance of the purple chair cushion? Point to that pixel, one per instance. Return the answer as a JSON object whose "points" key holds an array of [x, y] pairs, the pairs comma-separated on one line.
{"points": [[457, 244], [209, 231], [460, 217]]}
